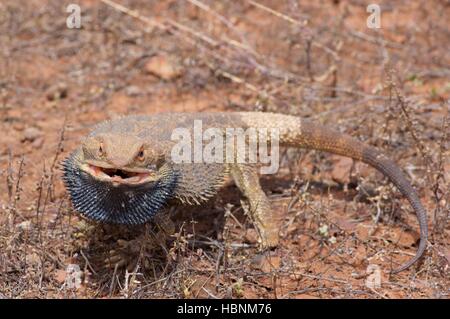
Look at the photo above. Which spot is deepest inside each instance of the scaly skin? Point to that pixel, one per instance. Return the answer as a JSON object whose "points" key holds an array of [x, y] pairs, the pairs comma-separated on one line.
{"points": [[124, 173]]}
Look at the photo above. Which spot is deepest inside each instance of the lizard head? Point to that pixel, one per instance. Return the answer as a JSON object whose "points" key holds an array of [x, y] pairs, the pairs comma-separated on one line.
{"points": [[120, 159], [118, 178]]}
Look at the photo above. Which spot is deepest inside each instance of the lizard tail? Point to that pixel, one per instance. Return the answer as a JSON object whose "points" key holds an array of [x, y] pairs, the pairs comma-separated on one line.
{"points": [[296, 132], [374, 158], [322, 138]]}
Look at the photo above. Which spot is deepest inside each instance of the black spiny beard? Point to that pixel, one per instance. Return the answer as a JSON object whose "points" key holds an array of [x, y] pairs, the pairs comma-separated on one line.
{"points": [[123, 204]]}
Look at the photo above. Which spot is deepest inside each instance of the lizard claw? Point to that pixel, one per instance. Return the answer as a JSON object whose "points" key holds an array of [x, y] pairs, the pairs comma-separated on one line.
{"points": [[125, 255], [129, 253]]}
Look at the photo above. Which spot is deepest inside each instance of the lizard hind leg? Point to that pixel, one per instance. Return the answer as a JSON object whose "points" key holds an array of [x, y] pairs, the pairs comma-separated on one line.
{"points": [[247, 180]]}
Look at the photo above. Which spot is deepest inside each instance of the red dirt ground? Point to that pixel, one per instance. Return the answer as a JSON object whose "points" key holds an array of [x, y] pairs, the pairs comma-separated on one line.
{"points": [[389, 87]]}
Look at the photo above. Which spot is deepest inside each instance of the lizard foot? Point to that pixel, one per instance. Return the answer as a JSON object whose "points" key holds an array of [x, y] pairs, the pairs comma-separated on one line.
{"points": [[268, 230], [130, 253], [269, 239]]}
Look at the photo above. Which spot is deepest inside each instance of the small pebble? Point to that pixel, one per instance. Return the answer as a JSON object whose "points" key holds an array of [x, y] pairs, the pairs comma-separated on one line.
{"points": [[31, 134]]}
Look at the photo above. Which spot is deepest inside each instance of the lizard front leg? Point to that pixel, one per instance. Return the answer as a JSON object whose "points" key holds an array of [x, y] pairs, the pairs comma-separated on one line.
{"points": [[247, 180], [129, 252]]}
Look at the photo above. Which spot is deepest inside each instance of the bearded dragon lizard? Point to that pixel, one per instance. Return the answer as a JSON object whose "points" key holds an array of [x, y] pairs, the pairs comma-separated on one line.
{"points": [[124, 171]]}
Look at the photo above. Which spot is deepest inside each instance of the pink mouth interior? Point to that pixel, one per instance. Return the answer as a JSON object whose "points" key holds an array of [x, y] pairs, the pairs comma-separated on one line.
{"points": [[119, 174]]}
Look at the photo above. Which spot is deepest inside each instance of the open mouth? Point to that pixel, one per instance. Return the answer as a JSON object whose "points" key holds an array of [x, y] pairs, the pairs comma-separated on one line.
{"points": [[113, 172], [119, 176]]}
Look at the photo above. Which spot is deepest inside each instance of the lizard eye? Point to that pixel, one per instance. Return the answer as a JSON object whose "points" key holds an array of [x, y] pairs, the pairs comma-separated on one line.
{"points": [[100, 149], [141, 155]]}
